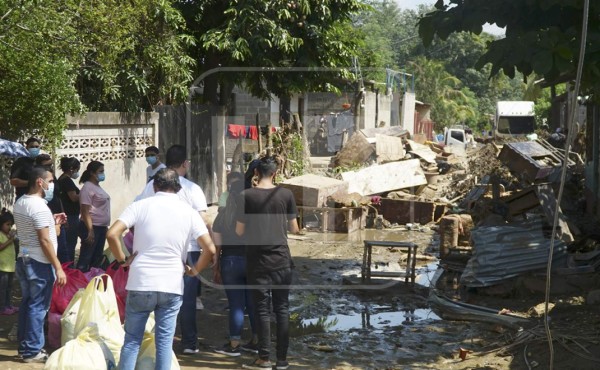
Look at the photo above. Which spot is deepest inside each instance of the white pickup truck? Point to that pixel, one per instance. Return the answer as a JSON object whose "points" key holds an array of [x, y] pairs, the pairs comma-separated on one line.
{"points": [[514, 119]]}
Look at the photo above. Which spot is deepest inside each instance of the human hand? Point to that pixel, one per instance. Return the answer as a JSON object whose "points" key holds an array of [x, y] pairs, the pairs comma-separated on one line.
{"points": [[60, 218], [61, 278], [217, 276], [190, 271], [90, 237]]}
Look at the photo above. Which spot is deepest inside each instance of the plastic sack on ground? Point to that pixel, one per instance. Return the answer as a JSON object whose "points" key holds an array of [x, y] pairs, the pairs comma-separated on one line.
{"points": [[119, 275], [67, 321], [87, 351], [53, 330], [99, 305], [147, 354], [61, 296]]}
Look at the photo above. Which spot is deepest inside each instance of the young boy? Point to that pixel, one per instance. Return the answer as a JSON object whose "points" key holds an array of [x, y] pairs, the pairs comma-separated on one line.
{"points": [[154, 163]]}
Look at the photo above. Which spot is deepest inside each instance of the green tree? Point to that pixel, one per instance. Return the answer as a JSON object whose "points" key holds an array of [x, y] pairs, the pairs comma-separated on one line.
{"points": [[270, 33], [542, 37]]}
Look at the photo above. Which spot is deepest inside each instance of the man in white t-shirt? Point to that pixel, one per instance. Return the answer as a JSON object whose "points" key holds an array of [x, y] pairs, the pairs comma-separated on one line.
{"points": [[37, 262], [193, 195], [164, 226]]}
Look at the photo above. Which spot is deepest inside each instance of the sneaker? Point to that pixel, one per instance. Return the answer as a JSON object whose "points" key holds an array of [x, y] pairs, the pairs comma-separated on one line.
{"points": [[199, 305], [259, 364], [190, 351], [41, 357], [250, 347], [282, 365], [228, 350]]}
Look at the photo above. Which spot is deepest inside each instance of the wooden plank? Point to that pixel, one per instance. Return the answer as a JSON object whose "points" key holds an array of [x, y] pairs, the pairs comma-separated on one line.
{"points": [[388, 148], [312, 190], [401, 211], [385, 177], [422, 151], [549, 205]]}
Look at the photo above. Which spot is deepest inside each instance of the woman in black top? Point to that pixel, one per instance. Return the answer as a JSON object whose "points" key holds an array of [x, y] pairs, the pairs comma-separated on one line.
{"points": [[69, 195]]}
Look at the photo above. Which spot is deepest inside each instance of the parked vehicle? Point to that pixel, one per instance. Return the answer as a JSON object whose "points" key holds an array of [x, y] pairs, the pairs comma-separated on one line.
{"points": [[514, 119]]}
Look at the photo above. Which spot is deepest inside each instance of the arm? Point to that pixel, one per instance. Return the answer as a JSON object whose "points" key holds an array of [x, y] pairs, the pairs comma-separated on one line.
{"points": [[207, 221], [240, 228], [208, 251], [293, 226], [217, 258], [113, 236], [87, 220], [18, 183], [9, 241], [48, 249], [72, 194]]}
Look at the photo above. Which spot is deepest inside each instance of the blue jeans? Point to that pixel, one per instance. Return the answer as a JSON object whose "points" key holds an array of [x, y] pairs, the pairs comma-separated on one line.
{"points": [[67, 253], [187, 314], [90, 255], [36, 280], [138, 308], [233, 272], [277, 283]]}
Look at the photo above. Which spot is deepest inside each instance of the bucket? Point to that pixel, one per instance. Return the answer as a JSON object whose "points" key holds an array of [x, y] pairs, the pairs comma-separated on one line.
{"points": [[432, 177]]}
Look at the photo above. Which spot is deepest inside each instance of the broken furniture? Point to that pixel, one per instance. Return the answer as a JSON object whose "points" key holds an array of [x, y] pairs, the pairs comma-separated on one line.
{"points": [[312, 190], [340, 220], [411, 261], [402, 212], [385, 177]]}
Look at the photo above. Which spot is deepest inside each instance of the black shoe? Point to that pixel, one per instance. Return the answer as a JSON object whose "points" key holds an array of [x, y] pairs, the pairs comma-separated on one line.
{"points": [[228, 350], [250, 347], [282, 365]]}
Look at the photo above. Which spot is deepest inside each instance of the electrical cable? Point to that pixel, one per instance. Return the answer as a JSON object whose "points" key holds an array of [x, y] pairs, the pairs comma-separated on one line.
{"points": [[563, 176]]}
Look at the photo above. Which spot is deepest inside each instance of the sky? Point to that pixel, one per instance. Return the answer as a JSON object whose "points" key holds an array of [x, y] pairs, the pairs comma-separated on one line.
{"points": [[412, 4]]}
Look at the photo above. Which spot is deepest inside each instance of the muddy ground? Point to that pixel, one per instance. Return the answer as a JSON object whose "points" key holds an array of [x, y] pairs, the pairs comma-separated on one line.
{"points": [[339, 323]]}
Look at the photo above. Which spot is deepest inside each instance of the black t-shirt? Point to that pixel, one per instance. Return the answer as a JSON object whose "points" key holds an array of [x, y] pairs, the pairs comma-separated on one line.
{"points": [[21, 169], [224, 224], [66, 185], [265, 213], [55, 204]]}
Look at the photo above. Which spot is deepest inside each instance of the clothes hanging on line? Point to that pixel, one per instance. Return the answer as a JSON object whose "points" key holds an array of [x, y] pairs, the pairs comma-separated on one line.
{"points": [[252, 133], [236, 131]]}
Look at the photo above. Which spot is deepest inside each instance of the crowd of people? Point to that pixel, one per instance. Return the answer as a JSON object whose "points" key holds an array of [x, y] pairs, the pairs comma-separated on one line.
{"points": [[173, 241]]}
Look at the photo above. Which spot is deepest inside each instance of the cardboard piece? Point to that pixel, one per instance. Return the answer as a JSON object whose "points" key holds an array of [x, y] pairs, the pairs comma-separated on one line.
{"points": [[385, 177], [388, 148]]}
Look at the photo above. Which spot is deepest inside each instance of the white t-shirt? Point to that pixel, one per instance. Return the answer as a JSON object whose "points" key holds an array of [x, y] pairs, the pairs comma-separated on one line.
{"points": [[152, 171], [31, 213], [163, 227], [190, 193]]}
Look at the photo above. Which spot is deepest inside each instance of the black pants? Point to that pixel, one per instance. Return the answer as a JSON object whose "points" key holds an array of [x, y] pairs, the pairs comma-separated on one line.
{"points": [[277, 284]]}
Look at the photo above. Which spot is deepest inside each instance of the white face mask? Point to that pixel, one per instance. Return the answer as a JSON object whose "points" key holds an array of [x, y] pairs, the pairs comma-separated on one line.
{"points": [[75, 175], [49, 193]]}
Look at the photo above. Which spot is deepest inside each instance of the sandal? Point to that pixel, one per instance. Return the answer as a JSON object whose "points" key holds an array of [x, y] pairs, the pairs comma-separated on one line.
{"points": [[259, 364]]}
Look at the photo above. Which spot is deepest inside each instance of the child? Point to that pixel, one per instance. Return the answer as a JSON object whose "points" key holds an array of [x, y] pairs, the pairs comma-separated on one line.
{"points": [[7, 262]]}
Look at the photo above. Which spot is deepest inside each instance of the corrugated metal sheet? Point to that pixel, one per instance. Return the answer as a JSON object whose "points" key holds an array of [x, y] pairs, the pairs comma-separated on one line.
{"points": [[503, 252]]}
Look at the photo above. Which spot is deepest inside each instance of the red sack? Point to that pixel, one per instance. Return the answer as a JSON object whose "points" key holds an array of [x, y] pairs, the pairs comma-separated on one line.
{"points": [[119, 277], [54, 330], [94, 271], [61, 296]]}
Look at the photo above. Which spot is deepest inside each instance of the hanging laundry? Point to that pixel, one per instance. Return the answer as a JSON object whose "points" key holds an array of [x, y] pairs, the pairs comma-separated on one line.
{"points": [[252, 133], [236, 131]]}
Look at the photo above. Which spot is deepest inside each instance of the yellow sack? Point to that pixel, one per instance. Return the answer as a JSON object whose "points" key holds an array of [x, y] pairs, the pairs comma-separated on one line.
{"points": [[99, 305], [147, 355], [67, 321], [87, 351]]}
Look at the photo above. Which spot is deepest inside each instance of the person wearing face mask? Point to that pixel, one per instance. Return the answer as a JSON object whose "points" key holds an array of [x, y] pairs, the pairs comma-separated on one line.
{"points": [[69, 196], [19, 171], [52, 198], [37, 266], [154, 163], [94, 204]]}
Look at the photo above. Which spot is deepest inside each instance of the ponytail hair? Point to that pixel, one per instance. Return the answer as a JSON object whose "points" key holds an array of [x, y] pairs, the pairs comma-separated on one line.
{"points": [[92, 167], [5, 216]]}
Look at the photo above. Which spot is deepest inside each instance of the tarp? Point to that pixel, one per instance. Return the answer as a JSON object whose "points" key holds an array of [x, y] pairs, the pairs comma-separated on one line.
{"points": [[12, 149]]}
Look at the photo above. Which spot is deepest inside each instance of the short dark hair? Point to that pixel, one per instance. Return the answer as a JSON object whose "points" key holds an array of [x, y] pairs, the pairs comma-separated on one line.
{"points": [[33, 139], [6, 216], [36, 173], [167, 179], [152, 149], [176, 155], [234, 176], [266, 166], [69, 163], [42, 158]]}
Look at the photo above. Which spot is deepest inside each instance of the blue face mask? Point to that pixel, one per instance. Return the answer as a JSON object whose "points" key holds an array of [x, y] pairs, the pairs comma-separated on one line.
{"points": [[49, 193], [34, 152], [151, 160], [101, 177]]}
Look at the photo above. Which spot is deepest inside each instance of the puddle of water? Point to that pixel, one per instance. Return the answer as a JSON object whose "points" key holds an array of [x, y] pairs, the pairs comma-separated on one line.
{"points": [[371, 321]]}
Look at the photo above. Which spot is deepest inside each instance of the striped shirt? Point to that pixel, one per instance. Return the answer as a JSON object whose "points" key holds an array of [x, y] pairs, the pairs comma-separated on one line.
{"points": [[31, 213]]}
